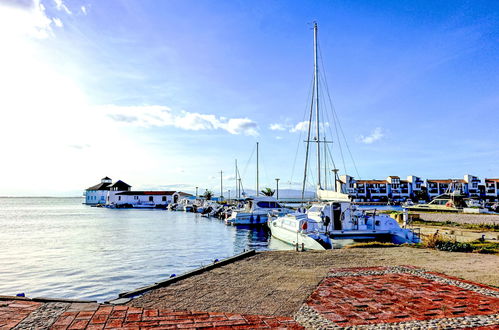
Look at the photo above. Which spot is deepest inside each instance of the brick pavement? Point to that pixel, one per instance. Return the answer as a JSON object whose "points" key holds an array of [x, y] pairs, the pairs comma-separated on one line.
{"points": [[14, 311], [374, 297], [377, 295]]}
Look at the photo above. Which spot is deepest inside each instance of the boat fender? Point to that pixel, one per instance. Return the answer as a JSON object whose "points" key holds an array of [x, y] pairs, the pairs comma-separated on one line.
{"points": [[172, 275], [304, 226], [20, 295], [326, 221], [449, 204]]}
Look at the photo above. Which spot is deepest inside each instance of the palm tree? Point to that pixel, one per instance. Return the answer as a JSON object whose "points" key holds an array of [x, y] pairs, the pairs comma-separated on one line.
{"points": [[208, 194], [267, 192]]}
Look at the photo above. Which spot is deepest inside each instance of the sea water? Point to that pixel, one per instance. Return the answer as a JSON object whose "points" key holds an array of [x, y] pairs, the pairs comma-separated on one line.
{"points": [[60, 248]]}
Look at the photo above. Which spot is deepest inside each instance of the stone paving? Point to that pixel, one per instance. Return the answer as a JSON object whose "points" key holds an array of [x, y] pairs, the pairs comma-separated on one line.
{"points": [[381, 297], [400, 297]]}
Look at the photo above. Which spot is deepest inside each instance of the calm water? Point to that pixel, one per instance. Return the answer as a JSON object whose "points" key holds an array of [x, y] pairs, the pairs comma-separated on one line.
{"points": [[57, 247]]}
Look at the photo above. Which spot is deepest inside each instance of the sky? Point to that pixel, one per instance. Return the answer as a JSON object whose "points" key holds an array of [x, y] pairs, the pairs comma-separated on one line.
{"points": [[166, 94]]}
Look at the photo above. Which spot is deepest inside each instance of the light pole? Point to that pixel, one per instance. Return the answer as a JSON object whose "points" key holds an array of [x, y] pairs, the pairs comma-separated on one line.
{"points": [[277, 188], [335, 170], [197, 192], [229, 195]]}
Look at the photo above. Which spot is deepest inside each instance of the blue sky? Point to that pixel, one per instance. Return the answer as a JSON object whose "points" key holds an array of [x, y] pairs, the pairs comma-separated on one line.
{"points": [[165, 94]]}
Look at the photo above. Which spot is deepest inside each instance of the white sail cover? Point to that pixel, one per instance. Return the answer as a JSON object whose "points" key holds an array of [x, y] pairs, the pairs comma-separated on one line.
{"points": [[331, 195]]}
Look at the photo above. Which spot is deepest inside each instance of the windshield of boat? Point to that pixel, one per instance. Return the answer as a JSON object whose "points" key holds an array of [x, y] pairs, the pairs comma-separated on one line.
{"points": [[268, 205], [315, 209]]}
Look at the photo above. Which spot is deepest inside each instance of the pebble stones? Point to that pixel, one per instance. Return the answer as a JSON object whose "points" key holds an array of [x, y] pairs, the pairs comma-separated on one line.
{"points": [[44, 316]]}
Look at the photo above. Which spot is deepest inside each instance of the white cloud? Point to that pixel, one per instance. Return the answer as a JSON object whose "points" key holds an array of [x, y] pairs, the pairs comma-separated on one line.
{"points": [[156, 115], [59, 4], [376, 134], [83, 10], [278, 137], [57, 22], [300, 127], [26, 19], [277, 127]]}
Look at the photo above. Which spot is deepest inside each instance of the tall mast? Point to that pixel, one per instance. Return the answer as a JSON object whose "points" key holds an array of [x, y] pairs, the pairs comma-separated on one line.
{"points": [[257, 172], [316, 87], [221, 186], [237, 188]]}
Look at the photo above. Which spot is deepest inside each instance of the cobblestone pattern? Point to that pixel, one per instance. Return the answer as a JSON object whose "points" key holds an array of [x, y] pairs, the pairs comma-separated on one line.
{"points": [[44, 316], [475, 287], [14, 311], [400, 297], [109, 317]]}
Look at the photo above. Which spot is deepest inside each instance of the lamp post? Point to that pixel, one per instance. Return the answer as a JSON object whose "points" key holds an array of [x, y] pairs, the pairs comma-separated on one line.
{"points": [[197, 192], [229, 195], [277, 188], [335, 171]]}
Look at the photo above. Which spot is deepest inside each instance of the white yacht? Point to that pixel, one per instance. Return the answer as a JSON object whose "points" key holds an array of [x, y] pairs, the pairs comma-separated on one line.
{"points": [[334, 217], [256, 211], [326, 222]]}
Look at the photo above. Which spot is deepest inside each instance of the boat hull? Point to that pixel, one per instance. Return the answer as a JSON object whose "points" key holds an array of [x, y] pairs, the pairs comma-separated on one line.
{"points": [[303, 241]]}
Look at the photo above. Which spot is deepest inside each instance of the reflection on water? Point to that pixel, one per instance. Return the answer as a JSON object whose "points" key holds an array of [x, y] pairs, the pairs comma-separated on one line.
{"points": [[57, 247]]}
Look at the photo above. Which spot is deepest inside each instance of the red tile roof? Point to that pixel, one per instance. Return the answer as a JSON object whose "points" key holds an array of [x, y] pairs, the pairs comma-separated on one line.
{"points": [[447, 181]]}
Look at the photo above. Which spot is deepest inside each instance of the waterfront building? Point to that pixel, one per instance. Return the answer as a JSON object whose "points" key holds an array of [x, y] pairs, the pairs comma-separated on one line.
{"points": [[471, 185], [120, 193], [146, 198], [491, 189], [97, 194], [415, 185], [397, 189]]}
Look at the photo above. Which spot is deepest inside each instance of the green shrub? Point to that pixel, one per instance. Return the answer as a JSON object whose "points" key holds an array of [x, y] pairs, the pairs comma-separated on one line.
{"points": [[453, 246]]}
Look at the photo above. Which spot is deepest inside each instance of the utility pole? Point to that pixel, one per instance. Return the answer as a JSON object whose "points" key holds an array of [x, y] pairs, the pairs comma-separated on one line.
{"points": [[277, 188], [257, 172], [197, 192], [221, 186], [229, 195]]}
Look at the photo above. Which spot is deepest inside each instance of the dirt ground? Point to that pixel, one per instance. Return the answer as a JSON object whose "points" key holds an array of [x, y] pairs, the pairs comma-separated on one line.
{"points": [[278, 282]]}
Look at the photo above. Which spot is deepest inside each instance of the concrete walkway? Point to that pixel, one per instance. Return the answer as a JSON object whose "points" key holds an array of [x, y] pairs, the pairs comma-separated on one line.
{"points": [[367, 298]]}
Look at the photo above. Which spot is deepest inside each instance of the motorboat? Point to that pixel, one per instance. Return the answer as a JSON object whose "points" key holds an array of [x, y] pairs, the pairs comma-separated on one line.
{"points": [[325, 223], [256, 211], [448, 202]]}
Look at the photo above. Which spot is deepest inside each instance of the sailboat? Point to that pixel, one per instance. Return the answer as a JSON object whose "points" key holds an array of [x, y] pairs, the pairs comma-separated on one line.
{"points": [[255, 210], [334, 218]]}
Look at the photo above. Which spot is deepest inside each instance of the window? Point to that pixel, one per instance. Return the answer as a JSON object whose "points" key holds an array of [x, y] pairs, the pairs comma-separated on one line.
{"points": [[119, 198], [267, 205], [151, 199], [163, 198], [135, 197]]}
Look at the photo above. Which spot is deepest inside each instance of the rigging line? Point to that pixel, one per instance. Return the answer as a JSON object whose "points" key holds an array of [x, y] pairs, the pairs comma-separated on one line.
{"points": [[308, 143], [335, 122], [336, 115], [301, 133], [247, 163], [242, 188]]}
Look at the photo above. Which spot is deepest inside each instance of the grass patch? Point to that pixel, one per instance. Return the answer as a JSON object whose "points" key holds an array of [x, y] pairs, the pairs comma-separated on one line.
{"points": [[371, 245], [472, 226], [438, 242]]}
